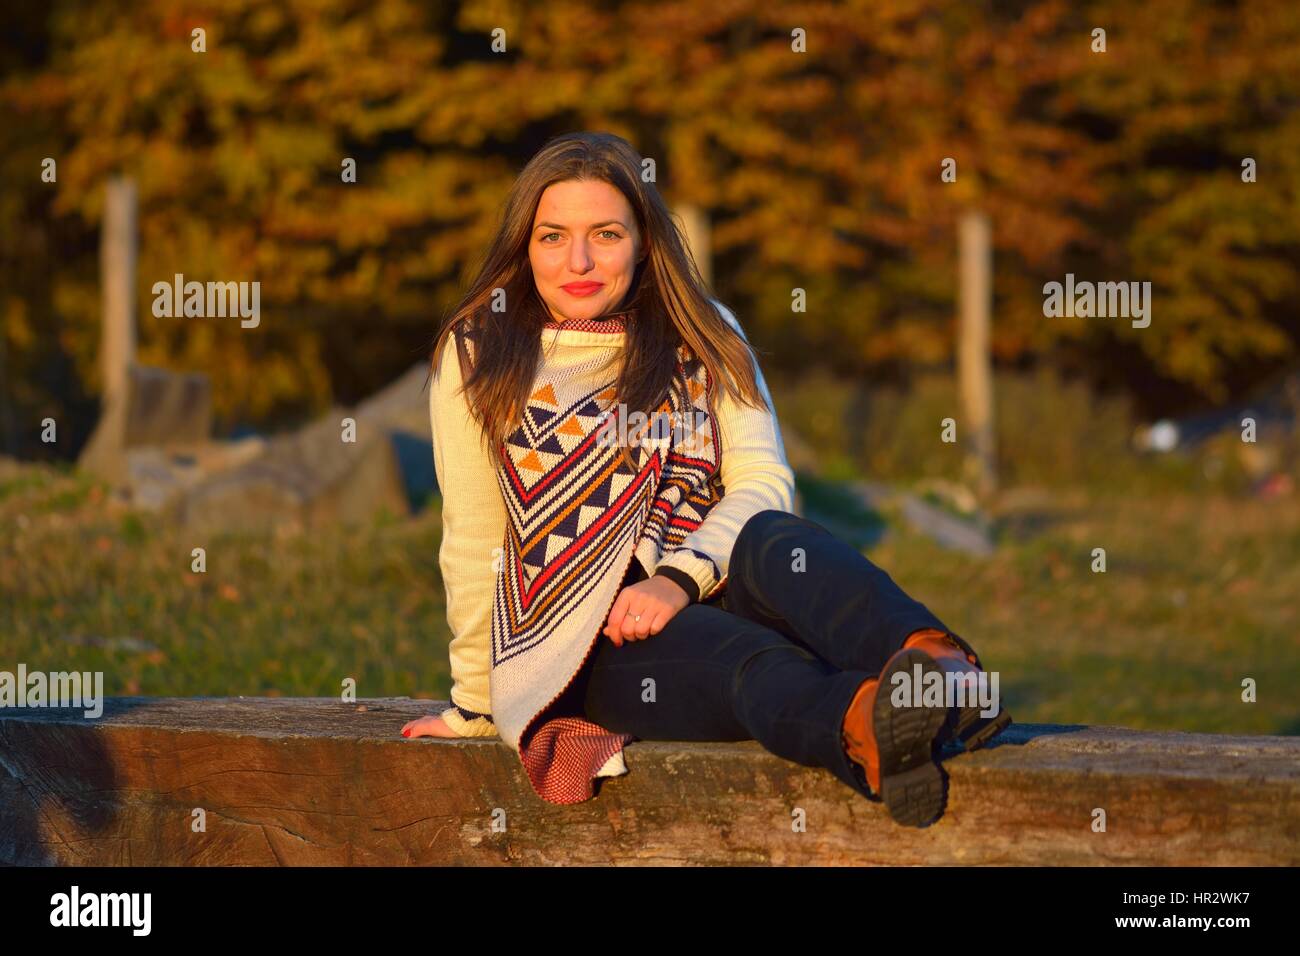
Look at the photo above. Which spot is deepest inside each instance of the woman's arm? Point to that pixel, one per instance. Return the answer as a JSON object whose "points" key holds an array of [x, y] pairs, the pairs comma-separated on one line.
{"points": [[473, 530], [755, 476]]}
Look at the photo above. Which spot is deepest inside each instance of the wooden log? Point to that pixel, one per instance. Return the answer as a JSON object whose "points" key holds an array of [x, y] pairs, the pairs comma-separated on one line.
{"points": [[161, 477], [316, 781], [154, 408], [401, 405], [310, 478], [970, 535], [167, 408], [947, 530]]}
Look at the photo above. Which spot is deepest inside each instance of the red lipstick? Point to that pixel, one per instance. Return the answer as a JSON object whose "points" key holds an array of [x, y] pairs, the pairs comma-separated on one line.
{"points": [[582, 289]]}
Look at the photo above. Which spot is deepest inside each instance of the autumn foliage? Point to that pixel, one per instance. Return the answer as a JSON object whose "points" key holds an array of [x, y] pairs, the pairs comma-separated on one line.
{"points": [[820, 170]]}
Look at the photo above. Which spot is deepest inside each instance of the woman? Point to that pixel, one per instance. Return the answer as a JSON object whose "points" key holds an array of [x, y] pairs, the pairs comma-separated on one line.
{"points": [[670, 535]]}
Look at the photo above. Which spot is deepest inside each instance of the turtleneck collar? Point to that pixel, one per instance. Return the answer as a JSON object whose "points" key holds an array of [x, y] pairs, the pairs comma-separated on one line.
{"points": [[609, 322]]}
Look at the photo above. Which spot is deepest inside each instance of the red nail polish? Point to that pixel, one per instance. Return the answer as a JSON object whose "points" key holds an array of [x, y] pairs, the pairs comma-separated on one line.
{"points": [[406, 733]]}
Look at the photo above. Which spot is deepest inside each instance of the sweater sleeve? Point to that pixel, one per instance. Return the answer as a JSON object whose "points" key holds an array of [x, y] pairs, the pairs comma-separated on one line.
{"points": [[473, 530], [755, 476]]}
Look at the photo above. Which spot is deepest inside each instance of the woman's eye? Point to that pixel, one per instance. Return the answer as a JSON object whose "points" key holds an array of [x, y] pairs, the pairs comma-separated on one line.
{"points": [[604, 232]]}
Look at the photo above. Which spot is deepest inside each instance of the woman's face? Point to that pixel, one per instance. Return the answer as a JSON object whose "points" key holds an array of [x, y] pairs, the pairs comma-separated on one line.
{"points": [[584, 249]]}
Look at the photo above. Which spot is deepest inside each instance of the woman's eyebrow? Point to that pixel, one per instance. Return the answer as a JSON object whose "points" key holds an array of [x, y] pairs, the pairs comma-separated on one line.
{"points": [[594, 225]]}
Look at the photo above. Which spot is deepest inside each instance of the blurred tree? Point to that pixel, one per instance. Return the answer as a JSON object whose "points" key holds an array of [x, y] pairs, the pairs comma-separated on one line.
{"points": [[820, 170], [1191, 89]]}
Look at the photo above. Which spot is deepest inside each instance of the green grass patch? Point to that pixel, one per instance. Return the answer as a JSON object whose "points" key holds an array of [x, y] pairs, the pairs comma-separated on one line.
{"points": [[1198, 595]]}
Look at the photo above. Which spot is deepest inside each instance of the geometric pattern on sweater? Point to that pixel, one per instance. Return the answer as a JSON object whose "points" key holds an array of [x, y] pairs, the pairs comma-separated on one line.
{"points": [[576, 519], [567, 498], [691, 483]]}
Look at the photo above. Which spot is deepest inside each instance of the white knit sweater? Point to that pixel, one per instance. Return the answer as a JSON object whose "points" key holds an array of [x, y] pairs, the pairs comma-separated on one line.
{"points": [[755, 474]]}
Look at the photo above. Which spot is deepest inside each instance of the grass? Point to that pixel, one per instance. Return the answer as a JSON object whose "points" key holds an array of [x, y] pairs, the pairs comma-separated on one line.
{"points": [[292, 616], [1198, 594]]}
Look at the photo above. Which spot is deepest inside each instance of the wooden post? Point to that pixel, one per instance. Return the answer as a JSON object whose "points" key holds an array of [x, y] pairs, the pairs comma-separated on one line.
{"points": [[696, 224], [117, 261], [103, 455], [974, 362]]}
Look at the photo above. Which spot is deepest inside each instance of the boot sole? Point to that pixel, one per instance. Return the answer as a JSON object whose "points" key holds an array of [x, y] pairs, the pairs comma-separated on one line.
{"points": [[969, 726], [975, 730], [912, 784]]}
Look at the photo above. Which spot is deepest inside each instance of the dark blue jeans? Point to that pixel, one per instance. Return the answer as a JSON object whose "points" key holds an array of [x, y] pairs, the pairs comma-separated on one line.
{"points": [[777, 657]]}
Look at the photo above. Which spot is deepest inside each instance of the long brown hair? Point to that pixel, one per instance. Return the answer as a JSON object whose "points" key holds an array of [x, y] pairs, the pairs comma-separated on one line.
{"points": [[671, 301]]}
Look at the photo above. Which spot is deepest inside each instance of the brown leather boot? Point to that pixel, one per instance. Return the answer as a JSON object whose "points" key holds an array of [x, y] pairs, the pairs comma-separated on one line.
{"points": [[955, 656], [895, 745]]}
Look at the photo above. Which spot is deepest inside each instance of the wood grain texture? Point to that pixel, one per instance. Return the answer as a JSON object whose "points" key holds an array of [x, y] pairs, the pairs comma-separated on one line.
{"points": [[316, 781]]}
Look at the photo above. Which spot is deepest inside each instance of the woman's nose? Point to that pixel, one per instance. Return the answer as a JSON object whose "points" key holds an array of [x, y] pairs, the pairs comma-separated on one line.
{"points": [[580, 258]]}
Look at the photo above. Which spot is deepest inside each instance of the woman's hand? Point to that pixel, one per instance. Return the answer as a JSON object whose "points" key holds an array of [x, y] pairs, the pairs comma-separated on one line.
{"points": [[655, 600], [433, 726]]}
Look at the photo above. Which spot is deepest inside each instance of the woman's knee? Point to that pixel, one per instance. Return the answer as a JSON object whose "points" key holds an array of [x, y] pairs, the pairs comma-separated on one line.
{"points": [[764, 524], [768, 527]]}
